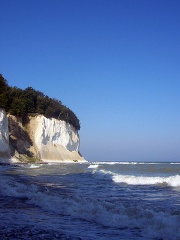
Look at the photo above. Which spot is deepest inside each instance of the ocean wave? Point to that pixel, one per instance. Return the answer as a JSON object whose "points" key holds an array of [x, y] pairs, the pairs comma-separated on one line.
{"points": [[113, 163], [109, 163], [155, 221], [93, 166], [126, 163], [173, 181], [34, 166]]}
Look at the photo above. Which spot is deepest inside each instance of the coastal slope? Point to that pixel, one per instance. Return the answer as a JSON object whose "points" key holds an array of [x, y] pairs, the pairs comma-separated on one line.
{"points": [[37, 138], [4, 135]]}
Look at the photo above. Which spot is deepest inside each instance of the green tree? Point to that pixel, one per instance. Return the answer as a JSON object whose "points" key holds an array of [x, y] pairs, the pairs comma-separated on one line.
{"points": [[3, 85], [18, 102], [3, 100], [17, 107]]}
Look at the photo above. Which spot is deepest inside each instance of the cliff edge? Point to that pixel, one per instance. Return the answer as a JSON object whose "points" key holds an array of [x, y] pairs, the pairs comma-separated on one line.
{"points": [[4, 135], [35, 138]]}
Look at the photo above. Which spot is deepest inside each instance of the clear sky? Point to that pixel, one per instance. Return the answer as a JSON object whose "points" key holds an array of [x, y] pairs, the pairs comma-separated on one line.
{"points": [[115, 63]]}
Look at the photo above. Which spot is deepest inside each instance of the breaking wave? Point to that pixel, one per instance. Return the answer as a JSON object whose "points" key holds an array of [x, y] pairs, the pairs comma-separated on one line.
{"points": [[106, 213], [173, 181], [132, 163], [128, 163], [93, 194], [94, 166]]}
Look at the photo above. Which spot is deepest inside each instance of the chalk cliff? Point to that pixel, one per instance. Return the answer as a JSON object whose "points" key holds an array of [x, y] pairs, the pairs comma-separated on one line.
{"points": [[4, 135], [54, 139], [36, 138]]}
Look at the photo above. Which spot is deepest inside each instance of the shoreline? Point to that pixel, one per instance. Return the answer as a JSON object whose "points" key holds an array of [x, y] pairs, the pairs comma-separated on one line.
{"points": [[10, 161]]}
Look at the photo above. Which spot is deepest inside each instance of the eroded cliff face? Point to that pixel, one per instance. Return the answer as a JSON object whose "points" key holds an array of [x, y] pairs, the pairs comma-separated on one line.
{"points": [[4, 135], [20, 144], [36, 138], [54, 139]]}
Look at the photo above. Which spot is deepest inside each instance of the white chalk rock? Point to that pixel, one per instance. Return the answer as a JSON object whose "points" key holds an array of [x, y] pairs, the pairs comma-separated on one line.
{"points": [[4, 134], [54, 139]]}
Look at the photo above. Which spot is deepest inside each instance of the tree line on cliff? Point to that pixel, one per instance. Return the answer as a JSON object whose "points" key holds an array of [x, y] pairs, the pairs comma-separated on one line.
{"points": [[20, 102]]}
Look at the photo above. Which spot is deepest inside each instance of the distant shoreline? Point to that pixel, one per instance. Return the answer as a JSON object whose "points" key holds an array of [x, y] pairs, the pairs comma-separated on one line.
{"points": [[12, 161]]}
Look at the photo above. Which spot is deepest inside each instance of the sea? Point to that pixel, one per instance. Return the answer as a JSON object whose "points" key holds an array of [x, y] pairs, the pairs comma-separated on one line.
{"points": [[88, 201]]}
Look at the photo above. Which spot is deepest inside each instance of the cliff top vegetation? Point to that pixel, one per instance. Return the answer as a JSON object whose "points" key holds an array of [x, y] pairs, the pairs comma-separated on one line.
{"points": [[20, 102]]}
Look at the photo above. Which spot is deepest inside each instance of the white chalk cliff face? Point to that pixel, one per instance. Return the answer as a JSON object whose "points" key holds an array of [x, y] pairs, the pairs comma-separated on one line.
{"points": [[54, 139], [4, 134], [41, 138]]}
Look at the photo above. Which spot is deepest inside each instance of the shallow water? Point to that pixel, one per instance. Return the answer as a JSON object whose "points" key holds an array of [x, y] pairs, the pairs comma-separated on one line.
{"points": [[90, 201]]}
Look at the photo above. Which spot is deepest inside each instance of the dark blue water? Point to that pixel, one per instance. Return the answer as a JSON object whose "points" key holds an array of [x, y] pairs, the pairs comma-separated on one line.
{"points": [[90, 201]]}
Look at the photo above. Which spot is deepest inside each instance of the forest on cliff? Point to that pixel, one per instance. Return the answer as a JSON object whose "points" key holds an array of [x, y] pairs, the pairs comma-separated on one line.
{"points": [[30, 101]]}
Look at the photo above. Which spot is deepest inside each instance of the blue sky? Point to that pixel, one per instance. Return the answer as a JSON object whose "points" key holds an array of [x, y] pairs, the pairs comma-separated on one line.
{"points": [[115, 63]]}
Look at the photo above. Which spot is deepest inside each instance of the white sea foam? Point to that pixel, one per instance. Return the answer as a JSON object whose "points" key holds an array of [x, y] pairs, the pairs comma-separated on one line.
{"points": [[101, 163], [173, 181], [174, 163], [34, 166], [93, 166], [155, 221], [131, 163], [102, 174]]}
